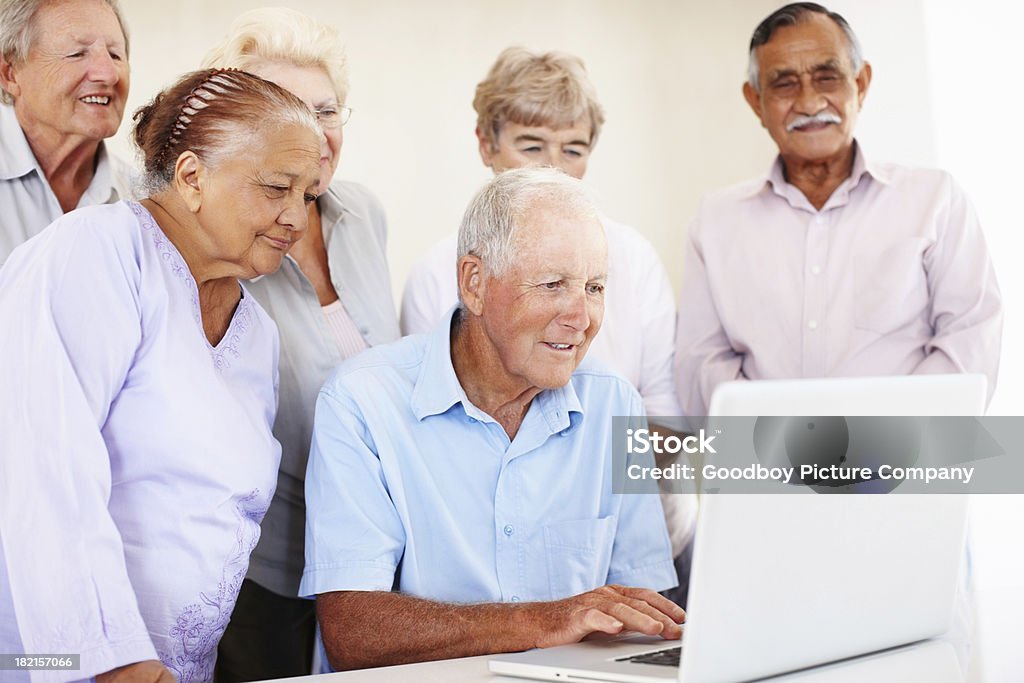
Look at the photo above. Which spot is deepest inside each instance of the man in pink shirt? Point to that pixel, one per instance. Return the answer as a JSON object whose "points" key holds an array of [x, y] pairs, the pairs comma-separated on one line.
{"points": [[832, 264]]}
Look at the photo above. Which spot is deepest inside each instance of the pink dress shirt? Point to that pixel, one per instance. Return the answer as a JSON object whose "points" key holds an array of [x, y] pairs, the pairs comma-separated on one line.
{"points": [[890, 277]]}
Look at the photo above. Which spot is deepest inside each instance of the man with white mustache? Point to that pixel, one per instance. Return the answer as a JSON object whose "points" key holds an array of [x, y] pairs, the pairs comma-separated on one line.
{"points": [[832, 264]]}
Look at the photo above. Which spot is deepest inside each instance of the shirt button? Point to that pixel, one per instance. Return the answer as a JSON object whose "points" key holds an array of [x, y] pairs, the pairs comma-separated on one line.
{"points": [[813, 324], [815, 270], [508, 530], [515, 598]]}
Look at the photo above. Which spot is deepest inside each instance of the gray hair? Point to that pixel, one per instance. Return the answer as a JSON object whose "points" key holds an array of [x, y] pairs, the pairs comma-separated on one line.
{"points": [[17, 31], [489, 225], [279, 34], [791, 15]]}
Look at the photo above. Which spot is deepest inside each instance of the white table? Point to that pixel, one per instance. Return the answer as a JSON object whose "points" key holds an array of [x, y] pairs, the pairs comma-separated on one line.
{"points": [[932, 661]]}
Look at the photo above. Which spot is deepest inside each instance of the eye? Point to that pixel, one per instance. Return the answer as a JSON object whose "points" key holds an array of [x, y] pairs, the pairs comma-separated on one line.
{"points": [[309, 198], [595, 288], [275, 191], [785, 86], [555, 284], [531, 149], [76, 54], [826, 81], [573, 152], [115, 56]]}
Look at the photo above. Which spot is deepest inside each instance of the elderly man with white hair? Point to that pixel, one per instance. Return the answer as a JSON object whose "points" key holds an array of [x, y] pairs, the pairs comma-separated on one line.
{"points": [[63, 87], [459, 492]]}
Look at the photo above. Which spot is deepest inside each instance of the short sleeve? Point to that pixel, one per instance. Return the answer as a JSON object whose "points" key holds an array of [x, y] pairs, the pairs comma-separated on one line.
{"points": [[354, 536]]}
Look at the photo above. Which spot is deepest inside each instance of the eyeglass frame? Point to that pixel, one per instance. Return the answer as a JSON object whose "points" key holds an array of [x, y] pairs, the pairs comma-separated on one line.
{"points": [[344, 115]]}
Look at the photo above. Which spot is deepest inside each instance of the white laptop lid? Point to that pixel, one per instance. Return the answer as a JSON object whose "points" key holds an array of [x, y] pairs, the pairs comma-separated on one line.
{"points": [[781, 582]]}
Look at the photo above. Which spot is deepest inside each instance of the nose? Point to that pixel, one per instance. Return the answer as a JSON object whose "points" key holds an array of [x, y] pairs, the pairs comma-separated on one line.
{"points": [[576, 314], [809, 101], [103, 68], [295, 216], [552, 157]]}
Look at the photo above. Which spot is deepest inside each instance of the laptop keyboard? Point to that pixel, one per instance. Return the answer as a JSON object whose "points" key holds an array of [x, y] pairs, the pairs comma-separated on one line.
{"points": [[667, 657]]}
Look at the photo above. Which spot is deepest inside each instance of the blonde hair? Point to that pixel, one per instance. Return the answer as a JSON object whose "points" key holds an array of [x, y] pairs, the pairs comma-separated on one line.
{"points": [[279, 34], [536, 89]]}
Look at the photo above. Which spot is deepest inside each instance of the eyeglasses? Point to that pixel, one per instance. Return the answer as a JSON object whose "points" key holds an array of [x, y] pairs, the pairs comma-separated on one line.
{"points": [[333, 116]]}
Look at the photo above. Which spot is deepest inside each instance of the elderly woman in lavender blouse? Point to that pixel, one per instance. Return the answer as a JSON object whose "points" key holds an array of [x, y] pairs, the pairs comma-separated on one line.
{"points": [[331, 299], [136, 411]]}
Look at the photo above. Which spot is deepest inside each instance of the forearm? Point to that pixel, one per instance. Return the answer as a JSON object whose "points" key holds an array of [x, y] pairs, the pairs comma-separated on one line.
{"points": [[373, 628]]}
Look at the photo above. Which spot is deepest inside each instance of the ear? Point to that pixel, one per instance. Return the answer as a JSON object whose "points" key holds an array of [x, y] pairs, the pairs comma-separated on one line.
{"points": [[8, 78], [863, 81], [190, 176], [486, 146], [754, 100], [471, 281]]}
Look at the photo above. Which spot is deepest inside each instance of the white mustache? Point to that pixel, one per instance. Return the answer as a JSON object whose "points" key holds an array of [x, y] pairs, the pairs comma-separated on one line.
{"points": [[820, 117]]}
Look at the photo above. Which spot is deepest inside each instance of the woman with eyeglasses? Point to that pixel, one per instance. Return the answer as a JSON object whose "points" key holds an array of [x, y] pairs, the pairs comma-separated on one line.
{"points": [[331, 299]]}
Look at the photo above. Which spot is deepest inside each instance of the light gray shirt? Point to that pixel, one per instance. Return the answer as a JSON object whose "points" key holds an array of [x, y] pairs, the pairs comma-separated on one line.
{"points": [[27, 204], [355, 233]]}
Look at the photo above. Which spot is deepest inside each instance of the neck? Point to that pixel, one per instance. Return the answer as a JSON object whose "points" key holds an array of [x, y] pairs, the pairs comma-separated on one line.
{"points": [[219, 291], [183, 230], [484, 379], [819, 178], [68, 162]]}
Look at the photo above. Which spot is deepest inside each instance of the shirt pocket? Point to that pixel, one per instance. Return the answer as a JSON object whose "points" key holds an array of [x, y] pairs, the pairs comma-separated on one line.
{"points": [[579, 553], [891, 286]]}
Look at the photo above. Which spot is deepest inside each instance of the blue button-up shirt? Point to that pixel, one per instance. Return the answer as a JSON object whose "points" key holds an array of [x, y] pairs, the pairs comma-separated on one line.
{"points": [[412, 486]]}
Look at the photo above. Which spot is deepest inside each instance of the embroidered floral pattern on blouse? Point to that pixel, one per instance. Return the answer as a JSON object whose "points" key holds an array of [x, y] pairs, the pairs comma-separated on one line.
{"points": [[200, 625]]}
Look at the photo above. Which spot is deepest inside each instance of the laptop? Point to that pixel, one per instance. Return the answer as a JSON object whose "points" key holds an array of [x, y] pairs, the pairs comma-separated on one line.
{"points": [[785, 582]]}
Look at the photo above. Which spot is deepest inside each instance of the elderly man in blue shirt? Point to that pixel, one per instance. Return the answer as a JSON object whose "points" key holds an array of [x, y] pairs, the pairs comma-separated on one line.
{"points": [[459, 491]]}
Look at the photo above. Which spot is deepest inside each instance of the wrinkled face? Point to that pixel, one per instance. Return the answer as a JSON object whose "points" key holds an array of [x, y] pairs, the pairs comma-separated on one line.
{"points": [[254, 203], [312, 85], [805, 70], [541, 315], [518, 146], [74, 80]]}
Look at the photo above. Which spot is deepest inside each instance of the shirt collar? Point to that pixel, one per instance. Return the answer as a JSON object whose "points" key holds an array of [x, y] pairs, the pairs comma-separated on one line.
{"points": [[774, 180], [16, 158], [331, 209], [437, 387]]}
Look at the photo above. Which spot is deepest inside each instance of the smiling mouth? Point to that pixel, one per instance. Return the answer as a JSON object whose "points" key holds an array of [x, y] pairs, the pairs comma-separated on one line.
{"points": [[560, 347], [95, 99]]}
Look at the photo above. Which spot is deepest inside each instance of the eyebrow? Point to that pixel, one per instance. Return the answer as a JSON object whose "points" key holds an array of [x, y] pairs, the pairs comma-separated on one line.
{"points": [[528, 137], [830, 65]]}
